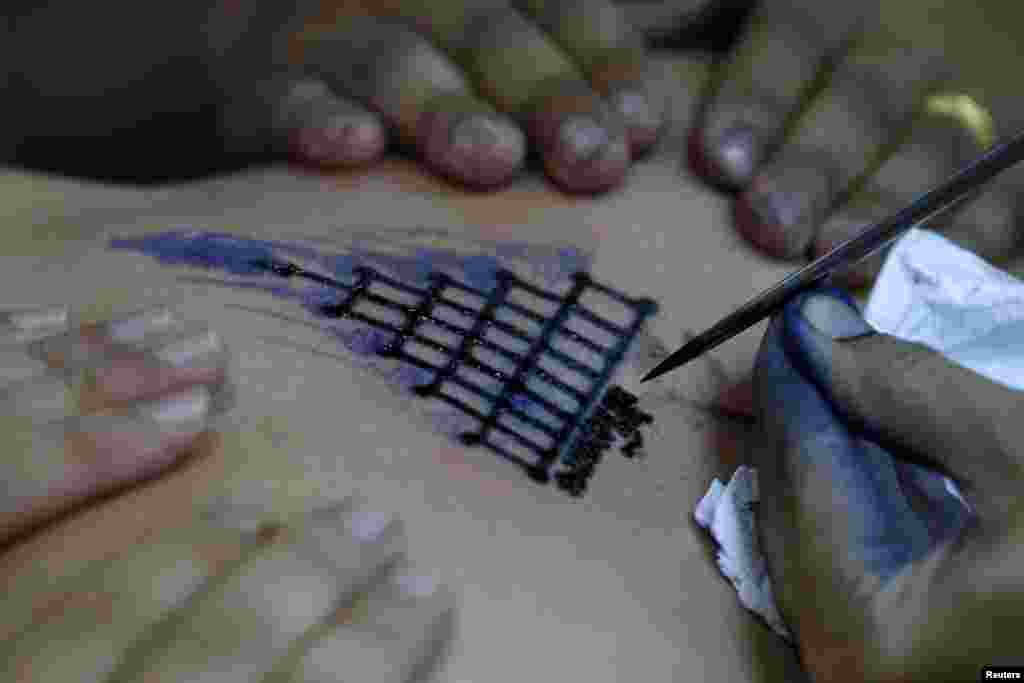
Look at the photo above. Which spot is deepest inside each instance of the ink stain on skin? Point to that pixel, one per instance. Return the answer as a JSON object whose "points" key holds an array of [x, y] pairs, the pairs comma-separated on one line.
{"points": [[520, 367]]}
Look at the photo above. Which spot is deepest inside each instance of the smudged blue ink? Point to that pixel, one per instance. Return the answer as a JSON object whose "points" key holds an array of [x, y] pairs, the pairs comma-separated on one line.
{"points": [[573, 260], [481, 271], [207, 250], [316, 298], [364, 340], [410, 376]]}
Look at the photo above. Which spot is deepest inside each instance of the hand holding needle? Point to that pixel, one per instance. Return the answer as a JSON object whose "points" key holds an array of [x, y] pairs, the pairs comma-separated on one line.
{"points": [[961, 186]]}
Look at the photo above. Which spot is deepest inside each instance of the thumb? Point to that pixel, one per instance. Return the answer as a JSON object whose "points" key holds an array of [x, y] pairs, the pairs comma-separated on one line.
{"points": [[912, 400]]}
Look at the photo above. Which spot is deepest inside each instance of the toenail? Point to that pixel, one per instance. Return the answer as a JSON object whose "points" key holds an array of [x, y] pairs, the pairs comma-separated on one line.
{"points": [[759, 218], [584, 137], [735, 153], [136, 328], [775, 207], [635, 108], [476, 133], [185, 413], [345, 140], [202, 350]]}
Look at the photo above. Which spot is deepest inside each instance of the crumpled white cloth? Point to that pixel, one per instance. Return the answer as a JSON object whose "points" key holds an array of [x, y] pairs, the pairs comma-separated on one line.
{"points": [[929, 291]]}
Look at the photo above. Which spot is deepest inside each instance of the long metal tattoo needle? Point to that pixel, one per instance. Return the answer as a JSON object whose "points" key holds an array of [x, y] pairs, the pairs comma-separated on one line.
{"points": [[961, 186]]}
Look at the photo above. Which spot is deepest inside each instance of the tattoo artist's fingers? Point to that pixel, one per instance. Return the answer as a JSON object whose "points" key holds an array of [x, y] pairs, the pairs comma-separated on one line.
{"points": [[398, 634], [299, 116], [400, 75], [927, 491], [49, 467], [785, 49], [835, 522], [598, 35], [113, 603], [869, 104], [238, 626], [937, 146], [582, 141], [915, 402]]}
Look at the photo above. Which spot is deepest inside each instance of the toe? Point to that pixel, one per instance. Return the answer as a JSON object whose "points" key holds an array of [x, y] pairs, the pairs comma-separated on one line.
{"points": [[583, 144], [582, 141], [764, 82], [776, 212], [481, 149], [300, 117], [399, 75], [326, 130], [937, 146], [835, 146], [599, 37]]}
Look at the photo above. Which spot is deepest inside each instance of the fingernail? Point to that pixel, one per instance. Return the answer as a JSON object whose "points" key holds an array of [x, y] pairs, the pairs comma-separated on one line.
{"points": [[735, 154], [583, 138], [31, 324], [136, 328], [184, 413], [834, 317], [203, 350]]}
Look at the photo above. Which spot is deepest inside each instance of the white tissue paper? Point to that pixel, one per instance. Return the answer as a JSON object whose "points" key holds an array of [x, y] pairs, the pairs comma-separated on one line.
{"points": [[932, 292]]}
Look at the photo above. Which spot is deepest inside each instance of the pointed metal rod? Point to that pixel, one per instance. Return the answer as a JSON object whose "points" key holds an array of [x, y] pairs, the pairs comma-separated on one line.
{"points": [[961, 186]]}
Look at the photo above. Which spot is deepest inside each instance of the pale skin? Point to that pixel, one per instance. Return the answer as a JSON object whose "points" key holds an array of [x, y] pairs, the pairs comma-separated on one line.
{"points": [[935, 590]]}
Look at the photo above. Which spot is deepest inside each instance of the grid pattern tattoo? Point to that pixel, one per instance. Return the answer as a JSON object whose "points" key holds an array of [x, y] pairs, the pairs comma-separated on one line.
{"points": [[498, 363]]}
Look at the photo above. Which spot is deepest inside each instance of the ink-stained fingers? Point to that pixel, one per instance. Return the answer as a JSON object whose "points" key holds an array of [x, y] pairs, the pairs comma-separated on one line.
{"points": [[113, 603], [51, 466], [398, 633], [843, 136], [399, 75], [918, 404], [582, 142], [598, 36], [766, 80], [832, 512], [929, 496], [240, 625], [140, 356]]}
